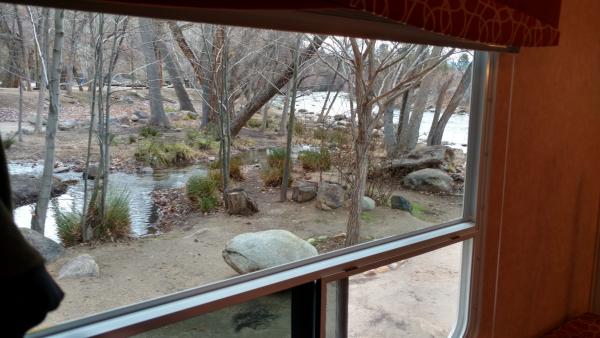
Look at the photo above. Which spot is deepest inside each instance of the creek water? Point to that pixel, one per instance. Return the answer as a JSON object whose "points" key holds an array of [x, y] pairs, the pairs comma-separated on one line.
{"points": [[138, 187]]}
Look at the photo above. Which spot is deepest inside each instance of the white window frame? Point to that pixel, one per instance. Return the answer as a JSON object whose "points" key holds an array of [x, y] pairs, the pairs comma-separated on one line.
{"points": [[179, 306]]}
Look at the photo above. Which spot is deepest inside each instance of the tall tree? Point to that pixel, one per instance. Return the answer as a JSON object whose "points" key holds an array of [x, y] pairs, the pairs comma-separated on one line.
{"points": [[157, 111], [290, 127], [172, 69], [42, 41], [39, 217], [73, 42], [23, 52], [438, 125]]}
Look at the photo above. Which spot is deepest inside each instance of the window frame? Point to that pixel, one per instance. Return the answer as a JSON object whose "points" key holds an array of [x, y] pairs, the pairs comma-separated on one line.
{"points": [[164, 310]]}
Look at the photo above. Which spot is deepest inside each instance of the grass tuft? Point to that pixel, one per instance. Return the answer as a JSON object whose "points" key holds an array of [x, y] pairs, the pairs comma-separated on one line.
{"points": [[315, 160], [202, 190], [149, 131], [68, 226]]}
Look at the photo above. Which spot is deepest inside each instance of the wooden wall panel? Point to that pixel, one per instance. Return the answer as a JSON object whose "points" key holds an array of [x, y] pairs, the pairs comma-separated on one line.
{"points": [[542, 212]]}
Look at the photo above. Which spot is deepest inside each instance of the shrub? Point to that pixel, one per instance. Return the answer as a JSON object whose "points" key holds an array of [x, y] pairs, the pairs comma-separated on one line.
{"points": [[149, 131], [216, 176], [208, 204], [156, 153], [338, 136], [179, 153], [132, 139], [315, 160], [254, 123], [202, 191], [235, 167], [117, 222], [68, 226], [299, 129], [320, 134], [272, 176], [197, 140], [276, 157]]}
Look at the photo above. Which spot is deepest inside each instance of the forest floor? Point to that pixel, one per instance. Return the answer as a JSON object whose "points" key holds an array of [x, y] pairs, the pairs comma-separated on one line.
{"points": [[190, 254]]}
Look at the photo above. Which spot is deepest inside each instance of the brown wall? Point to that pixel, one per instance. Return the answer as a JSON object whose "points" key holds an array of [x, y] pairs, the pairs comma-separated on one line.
{"points": [[543, 206]]}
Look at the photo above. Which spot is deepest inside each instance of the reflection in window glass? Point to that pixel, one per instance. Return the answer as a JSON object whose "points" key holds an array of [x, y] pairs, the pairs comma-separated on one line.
{"points": [[417, 297], [269, 316], [362, 165]]}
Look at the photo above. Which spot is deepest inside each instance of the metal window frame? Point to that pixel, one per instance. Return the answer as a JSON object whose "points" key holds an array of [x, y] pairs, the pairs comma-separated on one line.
{"points": [[341, 263]]}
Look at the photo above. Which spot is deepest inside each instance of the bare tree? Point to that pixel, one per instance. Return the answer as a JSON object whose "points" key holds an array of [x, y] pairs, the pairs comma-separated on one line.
{"points": [[265, 94], [439, 124], [172, 69], [157, 111], [23, 51], [290, 126], [73, 41], [42, 48], [39, 217]]}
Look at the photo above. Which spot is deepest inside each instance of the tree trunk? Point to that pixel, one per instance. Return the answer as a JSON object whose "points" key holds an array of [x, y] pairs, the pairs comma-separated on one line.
{"points": [[268, 92], [208, 95], [435, 138], [290, 127], [360, 178], [173, 70], [403, 118], [43, 56], [389, 136], [157, 111], [25, 59], [39, 217], [439, 103], [265, 116], [20, 122], [284, 113]]}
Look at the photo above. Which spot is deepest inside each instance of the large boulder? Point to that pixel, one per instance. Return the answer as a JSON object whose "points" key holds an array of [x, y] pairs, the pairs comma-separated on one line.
{"points": [[367, 203], [304, 192], [48, 248], [80, 266], [67, 124], [430, 180], [330, 196], [26, 188], [264, 249], [421, 158]]}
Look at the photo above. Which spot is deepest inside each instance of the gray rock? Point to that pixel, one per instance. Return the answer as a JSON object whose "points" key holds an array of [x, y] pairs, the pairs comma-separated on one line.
{"points": [[264, 249], [304, 192], [80, 266], [147, 170], [48, 248], [399, 202], [67, 124], [92, 172], [367, 203], [430, 180], [141, 114], [425, 157], [61, 169], [330, 196], [26, 188]]}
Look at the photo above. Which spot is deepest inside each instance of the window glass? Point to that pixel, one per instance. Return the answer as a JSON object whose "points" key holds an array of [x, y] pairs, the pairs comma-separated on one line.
{"points": [[416, 297], [268, 316], [172, 146]]}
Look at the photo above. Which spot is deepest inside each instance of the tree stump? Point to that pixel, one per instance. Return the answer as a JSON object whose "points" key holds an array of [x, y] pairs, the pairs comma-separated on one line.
{"points": [[239, 203]]}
